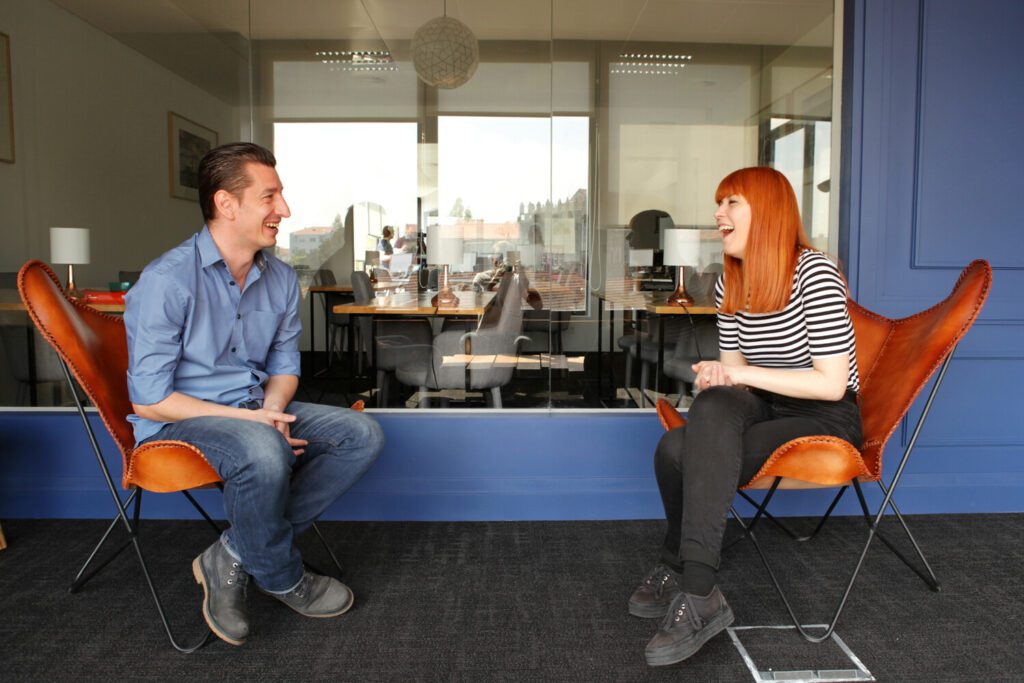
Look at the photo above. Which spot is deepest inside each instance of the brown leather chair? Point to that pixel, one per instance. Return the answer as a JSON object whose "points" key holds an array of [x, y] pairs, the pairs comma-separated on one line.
{"points": [[93, 349], [896, 358]]}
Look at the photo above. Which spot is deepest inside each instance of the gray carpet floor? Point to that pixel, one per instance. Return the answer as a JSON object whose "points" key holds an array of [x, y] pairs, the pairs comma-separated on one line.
{"points": [[515, 601]]}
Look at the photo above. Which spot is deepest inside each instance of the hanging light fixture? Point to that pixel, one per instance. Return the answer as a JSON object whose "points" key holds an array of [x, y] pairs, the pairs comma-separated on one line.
{"points": [[445, 53]]}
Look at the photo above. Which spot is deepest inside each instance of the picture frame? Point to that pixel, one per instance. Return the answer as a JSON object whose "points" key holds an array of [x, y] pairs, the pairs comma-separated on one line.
{"points": [[187, 142], [6, 101]]}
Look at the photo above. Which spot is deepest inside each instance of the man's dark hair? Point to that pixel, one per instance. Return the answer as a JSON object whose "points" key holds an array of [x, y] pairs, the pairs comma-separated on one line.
{"points": [[223, 168]]}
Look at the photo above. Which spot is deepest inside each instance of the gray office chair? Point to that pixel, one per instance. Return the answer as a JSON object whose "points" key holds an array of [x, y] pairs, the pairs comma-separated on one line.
{"points": [[551, 324], [338, 324], [644, 342], [688, 350], [498, 333], [397, 338]]}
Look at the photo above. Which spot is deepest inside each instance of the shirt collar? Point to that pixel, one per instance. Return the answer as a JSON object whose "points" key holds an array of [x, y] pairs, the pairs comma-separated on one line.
{"points": [[209, 254]]}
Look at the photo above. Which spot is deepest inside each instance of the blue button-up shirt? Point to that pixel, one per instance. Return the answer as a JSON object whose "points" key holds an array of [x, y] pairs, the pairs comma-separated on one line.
{"points": [[191, 330]]}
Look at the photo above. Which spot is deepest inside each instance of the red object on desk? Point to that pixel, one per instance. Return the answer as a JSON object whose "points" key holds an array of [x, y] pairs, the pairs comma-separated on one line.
{"points": [[99, 296]]}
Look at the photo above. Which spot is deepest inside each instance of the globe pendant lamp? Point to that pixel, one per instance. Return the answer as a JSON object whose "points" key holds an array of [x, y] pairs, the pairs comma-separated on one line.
{"points": [[445, 53]]}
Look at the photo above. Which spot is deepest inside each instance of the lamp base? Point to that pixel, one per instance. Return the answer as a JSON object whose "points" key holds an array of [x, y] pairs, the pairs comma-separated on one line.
{"points": [[446, 298], [679, 298], [72, 290]]}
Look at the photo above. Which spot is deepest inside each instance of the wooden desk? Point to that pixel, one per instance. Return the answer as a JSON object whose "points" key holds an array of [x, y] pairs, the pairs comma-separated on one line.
{"points": [[643, 303]]}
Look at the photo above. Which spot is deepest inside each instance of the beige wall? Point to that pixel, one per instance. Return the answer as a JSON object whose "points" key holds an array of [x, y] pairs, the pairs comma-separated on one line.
{"points": [[90, 120]]}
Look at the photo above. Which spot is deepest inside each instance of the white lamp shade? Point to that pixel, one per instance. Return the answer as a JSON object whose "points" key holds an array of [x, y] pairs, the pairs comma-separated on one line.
{"points": [[682, 247], [445, 245], [641, 257], [372, 257], [69, 245]]}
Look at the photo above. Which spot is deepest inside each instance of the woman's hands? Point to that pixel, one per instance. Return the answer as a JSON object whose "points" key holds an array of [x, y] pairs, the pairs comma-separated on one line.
{"points": [[713, 373]]}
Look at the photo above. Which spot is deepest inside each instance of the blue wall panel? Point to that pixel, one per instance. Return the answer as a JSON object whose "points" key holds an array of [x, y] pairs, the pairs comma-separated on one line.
{"points": [[934, 149], [477, 467]]}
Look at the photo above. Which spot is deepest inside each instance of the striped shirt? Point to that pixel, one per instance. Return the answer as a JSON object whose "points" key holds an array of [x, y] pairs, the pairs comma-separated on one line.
{"points": [[814, 324]]}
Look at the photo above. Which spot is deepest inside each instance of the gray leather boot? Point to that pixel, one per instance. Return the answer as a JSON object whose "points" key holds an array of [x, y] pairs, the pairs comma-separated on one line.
{"points": [[317, 596], [224, 587]]}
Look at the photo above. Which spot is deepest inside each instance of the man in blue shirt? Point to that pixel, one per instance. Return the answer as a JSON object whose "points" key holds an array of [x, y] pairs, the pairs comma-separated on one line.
{"points": [[213, 334]]}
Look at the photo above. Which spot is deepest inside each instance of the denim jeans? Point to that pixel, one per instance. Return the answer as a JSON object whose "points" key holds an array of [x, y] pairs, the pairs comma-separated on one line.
{"points": [[270, 495], [730, 433]]}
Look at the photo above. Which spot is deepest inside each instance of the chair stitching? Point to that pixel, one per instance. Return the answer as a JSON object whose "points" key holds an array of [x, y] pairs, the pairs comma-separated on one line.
{"points": [[152, 445], [30, 308]]}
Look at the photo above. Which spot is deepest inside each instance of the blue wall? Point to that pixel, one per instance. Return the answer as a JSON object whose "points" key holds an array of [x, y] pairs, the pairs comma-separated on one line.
{"points": [[933, 170], [512, 465]]}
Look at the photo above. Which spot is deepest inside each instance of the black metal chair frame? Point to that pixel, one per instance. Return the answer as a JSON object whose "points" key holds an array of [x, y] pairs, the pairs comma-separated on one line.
{"points": [[873, 521], [132, 525]]}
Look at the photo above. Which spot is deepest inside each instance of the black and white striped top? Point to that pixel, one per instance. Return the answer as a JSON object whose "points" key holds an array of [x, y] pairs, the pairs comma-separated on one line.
{"points": [[814, 324]]}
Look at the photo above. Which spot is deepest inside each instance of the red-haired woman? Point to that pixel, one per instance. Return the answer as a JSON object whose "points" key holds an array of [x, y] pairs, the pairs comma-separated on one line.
{"points": [[788, 368]]}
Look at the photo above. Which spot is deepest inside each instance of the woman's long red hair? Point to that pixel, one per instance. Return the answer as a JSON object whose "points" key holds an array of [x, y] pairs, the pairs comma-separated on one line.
{"points": [[762, 281]]}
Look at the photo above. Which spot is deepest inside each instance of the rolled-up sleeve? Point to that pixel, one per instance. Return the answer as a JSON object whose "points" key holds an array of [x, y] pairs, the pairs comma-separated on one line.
{"points": [[283, 357], [154, 319]]}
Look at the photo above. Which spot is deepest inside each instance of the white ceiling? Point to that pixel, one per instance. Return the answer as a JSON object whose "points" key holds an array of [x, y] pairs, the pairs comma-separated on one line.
{"points": [[759, 22], [206, 41]]}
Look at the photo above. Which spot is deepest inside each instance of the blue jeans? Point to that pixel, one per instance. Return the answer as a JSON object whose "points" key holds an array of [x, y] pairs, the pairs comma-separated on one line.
{"points": [[270, 495]]}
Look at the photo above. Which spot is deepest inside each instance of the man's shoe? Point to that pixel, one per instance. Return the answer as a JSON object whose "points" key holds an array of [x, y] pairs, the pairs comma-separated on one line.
{"points": [[691, 621], [655, 593], [317, 596], [224, 586]]}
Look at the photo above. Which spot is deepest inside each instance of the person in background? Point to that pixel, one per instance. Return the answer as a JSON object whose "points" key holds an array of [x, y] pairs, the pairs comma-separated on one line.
{"points": [[213, 349], [384, 245], [788, 369], [411, 242]]}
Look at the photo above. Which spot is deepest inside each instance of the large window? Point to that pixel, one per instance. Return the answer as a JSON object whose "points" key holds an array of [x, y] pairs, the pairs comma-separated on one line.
{"points": [[587, 132]]}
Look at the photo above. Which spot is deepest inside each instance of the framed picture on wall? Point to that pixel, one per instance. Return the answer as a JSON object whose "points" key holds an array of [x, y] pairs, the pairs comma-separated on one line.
{"points": [[6, 101], [187, 142]]}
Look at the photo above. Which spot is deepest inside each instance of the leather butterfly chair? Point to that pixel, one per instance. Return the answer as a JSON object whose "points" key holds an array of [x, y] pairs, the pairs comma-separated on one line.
{"points": [[93, 349], [896, 358]]}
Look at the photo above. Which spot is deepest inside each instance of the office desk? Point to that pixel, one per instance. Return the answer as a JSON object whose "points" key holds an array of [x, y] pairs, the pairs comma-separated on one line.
{"points": [[19, 307], [643, 303]]}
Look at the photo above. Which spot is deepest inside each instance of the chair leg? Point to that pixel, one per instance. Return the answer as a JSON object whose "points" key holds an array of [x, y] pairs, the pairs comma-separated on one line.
{"points": [[382, 388], [629, 370], [123, 518], [82, 578], [197, 506], [496, 397], [424, 400], [930, 580], [327, 546], [645, 376], [872, 532]]}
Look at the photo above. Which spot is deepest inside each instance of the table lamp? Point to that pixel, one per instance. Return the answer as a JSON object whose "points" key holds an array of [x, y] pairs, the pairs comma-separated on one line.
{"points": [[444, 248], [70, 246], [682, 248]]}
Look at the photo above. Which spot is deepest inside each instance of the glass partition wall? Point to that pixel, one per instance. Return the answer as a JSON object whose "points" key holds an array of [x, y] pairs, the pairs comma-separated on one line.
{"points": [[494, 213]]}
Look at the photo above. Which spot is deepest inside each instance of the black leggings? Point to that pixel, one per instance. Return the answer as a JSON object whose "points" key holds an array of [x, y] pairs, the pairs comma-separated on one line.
{"points": [[729, 434]]}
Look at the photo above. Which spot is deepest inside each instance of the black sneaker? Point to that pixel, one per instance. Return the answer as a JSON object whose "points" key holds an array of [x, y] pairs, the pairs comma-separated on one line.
{"points": [[317, 596], [691, 621], [224, 587], [655, 593]]}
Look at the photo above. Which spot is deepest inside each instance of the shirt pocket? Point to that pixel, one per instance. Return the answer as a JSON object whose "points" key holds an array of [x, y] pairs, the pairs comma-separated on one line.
{"points": [[259, 329]]}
